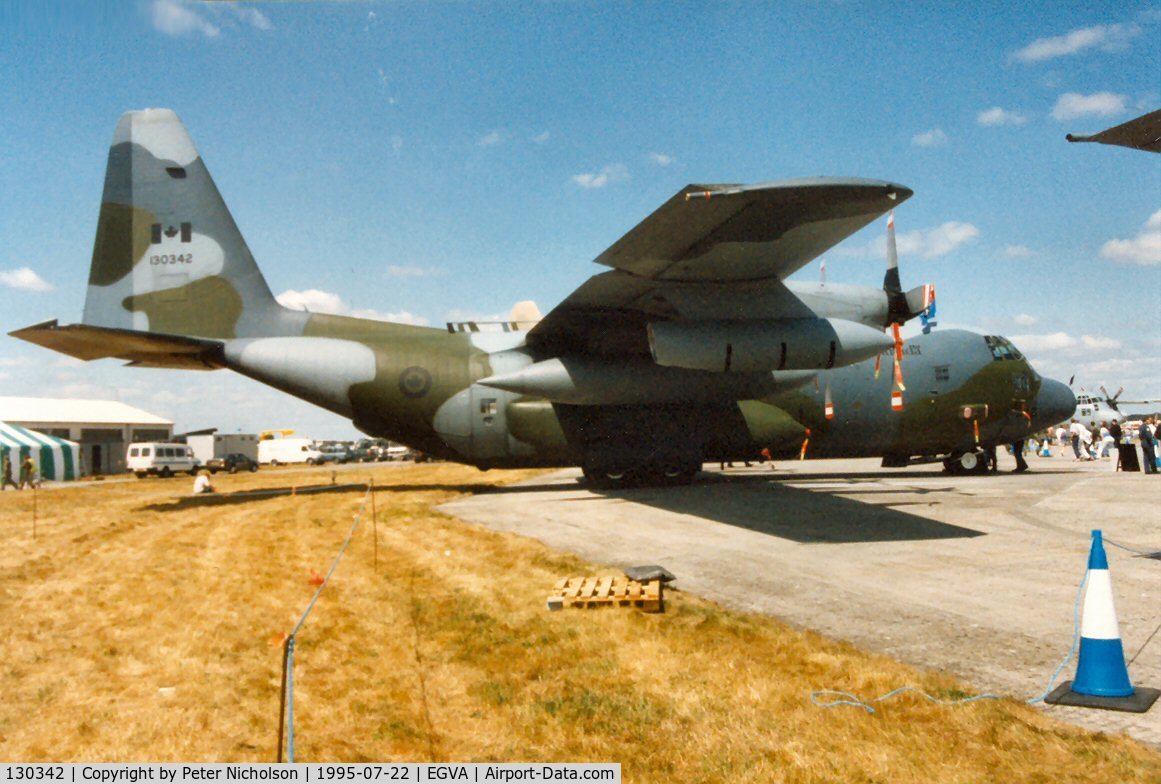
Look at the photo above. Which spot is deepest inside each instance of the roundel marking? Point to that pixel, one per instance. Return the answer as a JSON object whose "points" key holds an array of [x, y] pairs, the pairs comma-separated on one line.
{"points": [[415, 382]]}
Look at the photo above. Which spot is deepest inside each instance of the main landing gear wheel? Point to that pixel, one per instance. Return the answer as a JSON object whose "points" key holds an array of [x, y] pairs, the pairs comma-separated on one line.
{"points": [[973, 462], [651, 474]]}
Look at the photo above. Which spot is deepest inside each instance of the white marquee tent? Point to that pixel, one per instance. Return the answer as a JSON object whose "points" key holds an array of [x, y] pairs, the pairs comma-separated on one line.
{"points": [[55, 458]]}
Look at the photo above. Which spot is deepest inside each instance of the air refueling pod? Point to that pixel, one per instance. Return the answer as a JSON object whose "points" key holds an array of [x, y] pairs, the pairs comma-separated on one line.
{"points": [[765, 345]]}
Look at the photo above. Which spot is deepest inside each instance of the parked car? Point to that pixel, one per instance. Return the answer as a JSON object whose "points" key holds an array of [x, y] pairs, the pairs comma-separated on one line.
{"points": [[338, 454], [231, 463], [282, 451], [363, 454]]}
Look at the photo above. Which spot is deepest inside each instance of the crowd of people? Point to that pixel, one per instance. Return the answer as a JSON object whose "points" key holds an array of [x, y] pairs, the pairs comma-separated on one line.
{"points": [[1104, 443]]}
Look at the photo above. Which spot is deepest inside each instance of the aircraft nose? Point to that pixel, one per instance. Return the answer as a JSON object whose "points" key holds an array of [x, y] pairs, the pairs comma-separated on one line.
{"points": [[1054, 404]]}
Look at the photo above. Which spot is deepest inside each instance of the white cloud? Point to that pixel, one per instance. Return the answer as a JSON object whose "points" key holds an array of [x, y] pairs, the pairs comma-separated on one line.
{"points": [[318, 301], [1018, 251], [541, 138], [412, 271], [1099, 343], [1144, 249], [492, 139], [1055, 341], [1072, 105], [1025, 320], [999, 116], [314, 300], [660, 158], [249, 15], [24, 279], [401, 317], [525, 310], [931, 138], [928, 243], [1108, 38], [385, 83], [1063, 342], [932, 243], [175, 18], [615, 172]]}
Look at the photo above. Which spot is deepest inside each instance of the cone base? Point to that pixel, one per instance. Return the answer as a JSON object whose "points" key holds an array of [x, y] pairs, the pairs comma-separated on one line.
{"points": [[1140, 701]]}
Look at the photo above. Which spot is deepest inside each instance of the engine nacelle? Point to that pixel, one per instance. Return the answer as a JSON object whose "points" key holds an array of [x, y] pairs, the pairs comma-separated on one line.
{"points": [[766, 345]]}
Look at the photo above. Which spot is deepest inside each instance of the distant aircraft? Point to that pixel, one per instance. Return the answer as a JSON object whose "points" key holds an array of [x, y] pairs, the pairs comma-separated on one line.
{"points": [[1140, 133], [1092, 410], [692, 348]]}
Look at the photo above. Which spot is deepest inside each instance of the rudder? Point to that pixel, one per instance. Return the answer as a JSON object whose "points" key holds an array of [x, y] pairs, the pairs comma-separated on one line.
{"points": [[168, 256]]}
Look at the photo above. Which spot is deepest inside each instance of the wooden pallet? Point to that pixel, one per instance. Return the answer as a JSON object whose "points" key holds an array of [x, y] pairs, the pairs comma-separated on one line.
{"points": [[607, 591]]}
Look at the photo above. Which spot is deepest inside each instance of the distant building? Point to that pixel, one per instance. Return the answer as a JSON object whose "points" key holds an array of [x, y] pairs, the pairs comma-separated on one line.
{"points": [[209, 444], [103, 428]]}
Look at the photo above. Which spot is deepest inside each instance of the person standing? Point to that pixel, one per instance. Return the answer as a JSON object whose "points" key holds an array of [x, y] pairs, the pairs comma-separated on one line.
{"points": [[8, 480], [1106, 441], [27, 473], [1074, 436], [1018, 452], [1148, 445], [1115, 434]]}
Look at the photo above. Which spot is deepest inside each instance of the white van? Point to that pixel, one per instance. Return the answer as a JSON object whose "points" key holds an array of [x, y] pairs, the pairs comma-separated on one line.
{"points": [[160, 459], [281, 451]]}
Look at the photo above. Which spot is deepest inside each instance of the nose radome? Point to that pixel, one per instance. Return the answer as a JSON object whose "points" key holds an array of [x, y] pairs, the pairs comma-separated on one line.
{"points": [[1054, 404]]}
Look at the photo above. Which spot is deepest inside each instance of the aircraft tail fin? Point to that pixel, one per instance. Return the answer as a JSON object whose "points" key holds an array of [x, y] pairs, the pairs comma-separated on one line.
{"points": [[168, 257]]}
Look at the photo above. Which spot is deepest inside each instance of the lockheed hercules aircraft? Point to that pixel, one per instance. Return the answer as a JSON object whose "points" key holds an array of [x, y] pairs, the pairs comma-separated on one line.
{"points": [[692, 347], [1094, 410]]}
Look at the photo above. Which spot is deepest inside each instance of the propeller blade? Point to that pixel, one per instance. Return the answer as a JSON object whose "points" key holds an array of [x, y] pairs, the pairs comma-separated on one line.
{"points": [[891, 282], [899, 389]]}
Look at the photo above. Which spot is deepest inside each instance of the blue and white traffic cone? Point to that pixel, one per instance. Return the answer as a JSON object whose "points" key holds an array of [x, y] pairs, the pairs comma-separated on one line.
{"points": [[1100, 665], [1102, 678]]}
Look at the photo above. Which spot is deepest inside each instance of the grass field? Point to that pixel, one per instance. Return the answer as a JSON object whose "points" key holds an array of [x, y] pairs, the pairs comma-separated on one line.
{"points": [[142, 624]]}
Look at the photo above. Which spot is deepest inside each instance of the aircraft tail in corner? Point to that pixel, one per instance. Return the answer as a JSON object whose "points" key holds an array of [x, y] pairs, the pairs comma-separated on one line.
{"points": [[168, 257]]}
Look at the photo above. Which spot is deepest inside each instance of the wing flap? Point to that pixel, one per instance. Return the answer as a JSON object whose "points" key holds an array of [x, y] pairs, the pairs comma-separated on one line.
{"points": [[142, 349]]}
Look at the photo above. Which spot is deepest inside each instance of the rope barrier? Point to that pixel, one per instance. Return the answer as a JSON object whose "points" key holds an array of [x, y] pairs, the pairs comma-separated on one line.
{"points": [[850, 699], [286, 709]]}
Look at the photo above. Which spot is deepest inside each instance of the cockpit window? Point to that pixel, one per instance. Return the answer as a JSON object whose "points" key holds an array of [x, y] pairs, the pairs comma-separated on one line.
{"points": [[1001, 348]]}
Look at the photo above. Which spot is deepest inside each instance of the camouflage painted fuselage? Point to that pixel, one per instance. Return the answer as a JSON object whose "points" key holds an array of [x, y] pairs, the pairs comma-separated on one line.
{"points": [[173, 284]]}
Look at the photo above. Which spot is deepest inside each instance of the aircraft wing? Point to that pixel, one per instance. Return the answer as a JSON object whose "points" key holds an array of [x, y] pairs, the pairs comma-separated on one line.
{"points": [[1141, 133], [140, 349], [712, 251]]}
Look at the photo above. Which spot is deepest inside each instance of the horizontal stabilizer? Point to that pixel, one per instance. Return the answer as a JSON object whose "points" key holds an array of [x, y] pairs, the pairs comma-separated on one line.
{"points": [[143, 349]]}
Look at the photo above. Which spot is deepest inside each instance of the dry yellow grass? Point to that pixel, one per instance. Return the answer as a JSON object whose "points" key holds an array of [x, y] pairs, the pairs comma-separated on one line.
{"points": [[142, 625]]}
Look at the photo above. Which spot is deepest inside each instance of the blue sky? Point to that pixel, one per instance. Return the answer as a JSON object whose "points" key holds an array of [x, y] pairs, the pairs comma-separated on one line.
{"points": [[427, 161]]}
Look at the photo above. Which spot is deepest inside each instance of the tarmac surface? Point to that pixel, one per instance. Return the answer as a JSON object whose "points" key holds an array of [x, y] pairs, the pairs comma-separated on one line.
{"points": [[974, 575]]}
